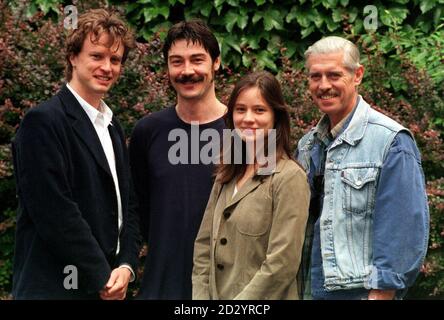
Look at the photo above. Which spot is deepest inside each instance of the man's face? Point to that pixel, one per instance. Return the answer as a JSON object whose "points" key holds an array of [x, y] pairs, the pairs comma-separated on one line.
{"points": [[97, 67], [332, 86], [191, 70]]}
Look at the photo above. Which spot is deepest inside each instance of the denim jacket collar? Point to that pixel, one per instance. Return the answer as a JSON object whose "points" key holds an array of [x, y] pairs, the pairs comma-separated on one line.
{"points": [[358, 124]]}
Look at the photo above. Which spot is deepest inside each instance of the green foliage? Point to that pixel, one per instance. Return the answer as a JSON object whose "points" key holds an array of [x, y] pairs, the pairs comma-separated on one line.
{"points": [[255, 30]]}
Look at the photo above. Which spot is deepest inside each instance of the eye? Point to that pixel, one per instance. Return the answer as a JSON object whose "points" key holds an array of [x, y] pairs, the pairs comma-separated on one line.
{"points": [[239, 109], [334, 76], [315, 77], [260, 110], [115, 60], [95, 56], [175, 62], [198, 60]]}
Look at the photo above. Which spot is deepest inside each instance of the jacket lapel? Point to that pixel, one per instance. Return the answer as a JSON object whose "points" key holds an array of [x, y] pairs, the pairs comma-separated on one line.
{"points": [[248, 187], [83, 127], [118, 155]]}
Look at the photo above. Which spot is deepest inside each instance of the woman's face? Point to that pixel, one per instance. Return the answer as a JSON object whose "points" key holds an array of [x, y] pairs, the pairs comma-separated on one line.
{"points": [[252, 115]]}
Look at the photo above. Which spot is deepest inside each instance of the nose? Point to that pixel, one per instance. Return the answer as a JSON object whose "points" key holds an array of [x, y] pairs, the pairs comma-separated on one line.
{"points": [[324, 83], [248, 117], [187, 68], [106, 65]]}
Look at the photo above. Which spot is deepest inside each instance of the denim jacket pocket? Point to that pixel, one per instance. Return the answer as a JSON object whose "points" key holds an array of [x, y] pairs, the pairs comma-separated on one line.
{"points": [[359, 187]]}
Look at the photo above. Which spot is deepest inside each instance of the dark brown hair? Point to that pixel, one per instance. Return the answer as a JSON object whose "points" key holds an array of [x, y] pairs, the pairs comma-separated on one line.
{"points": [[271, 92], [194, 31], [94, 23]]}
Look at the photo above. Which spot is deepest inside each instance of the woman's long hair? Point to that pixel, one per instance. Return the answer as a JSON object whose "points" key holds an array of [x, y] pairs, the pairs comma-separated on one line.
{"points": [[271, 92]]}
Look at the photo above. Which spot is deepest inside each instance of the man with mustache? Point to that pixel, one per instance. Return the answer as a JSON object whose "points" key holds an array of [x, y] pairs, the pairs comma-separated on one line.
{"points": [[173, 195], [369, 220]]}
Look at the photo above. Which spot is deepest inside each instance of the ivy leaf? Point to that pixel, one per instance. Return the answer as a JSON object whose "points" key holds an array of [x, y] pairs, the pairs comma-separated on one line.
{"points": [[292, 14], [331, 25], [257, 16], [329, 3], [251, 41], [344, 3], [265, 59], [259, 2], [230, 19], [427, 5], [242, 18], [206, 8], [291, 49], [337, 15], [247, 60], [233, 43], [273, 19], [307, 31], [352, 14]]}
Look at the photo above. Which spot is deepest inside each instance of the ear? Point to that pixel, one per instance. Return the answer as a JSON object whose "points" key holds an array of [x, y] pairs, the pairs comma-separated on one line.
{"points": [[73, 59], [359, 74], [216, 64]]}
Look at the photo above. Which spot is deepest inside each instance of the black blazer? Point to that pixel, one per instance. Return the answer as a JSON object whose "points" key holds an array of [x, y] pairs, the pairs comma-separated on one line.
{"points": [[67, 211]]}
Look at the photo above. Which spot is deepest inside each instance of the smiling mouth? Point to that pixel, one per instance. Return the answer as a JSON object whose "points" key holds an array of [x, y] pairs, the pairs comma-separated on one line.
{"points": [[326, 96], [103, 78]]}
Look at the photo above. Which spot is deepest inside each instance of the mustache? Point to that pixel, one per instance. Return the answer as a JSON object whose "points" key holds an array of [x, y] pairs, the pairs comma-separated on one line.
{"points": [[188, 79], [329, 92]]}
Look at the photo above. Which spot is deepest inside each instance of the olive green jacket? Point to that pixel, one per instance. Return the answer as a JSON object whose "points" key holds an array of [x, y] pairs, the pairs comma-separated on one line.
{"points": [[249, 246]]}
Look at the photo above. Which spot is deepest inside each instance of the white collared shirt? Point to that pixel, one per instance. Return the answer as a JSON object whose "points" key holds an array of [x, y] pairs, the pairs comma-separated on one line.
{"points": [[100, 120]]}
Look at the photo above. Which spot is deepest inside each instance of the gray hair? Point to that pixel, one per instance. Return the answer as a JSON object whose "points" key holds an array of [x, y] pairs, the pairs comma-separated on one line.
{"points": [[334, 44]]}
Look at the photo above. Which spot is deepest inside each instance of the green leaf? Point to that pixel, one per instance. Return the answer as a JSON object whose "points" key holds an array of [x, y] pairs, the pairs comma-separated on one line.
{"points": [[337, 15], [319, 20], [246, 60], [260, 2], [265, 60], [252, 41], [307, 31], [292, 14], [206, 9], [291, 49], [344, 3], [233, 3], [331, 25], [273, 20], [352, 13], [233, 43], [230, 19], [242, 18], [329, 3], [427, 5], [257, 16]]}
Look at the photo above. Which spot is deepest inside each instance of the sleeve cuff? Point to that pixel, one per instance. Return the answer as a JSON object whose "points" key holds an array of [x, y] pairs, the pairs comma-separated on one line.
{"points": [[133, 276], [384, 280]]}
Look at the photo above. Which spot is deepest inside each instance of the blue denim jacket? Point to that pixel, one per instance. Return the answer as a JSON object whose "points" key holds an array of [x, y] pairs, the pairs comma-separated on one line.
{"points": [[352, 222]]}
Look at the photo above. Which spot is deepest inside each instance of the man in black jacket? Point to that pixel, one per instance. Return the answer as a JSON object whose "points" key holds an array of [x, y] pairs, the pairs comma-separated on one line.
{"points": [[77, 232]]}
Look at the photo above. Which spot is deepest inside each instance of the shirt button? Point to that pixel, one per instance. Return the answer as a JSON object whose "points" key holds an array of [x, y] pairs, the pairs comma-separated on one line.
{"points": [[223, 241], [220, 266]]}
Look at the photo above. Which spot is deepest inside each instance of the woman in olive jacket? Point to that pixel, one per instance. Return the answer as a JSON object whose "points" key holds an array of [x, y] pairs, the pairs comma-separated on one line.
{"points": [[250, 241]]}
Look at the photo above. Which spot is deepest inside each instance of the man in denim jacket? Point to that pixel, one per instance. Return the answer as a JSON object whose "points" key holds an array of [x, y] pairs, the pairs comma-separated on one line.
{"points": [[369, 214]]}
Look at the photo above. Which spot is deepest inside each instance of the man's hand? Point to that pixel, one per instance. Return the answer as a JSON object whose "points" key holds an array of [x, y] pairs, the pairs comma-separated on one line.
{"points": [[115, 288], [376, 294]]}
